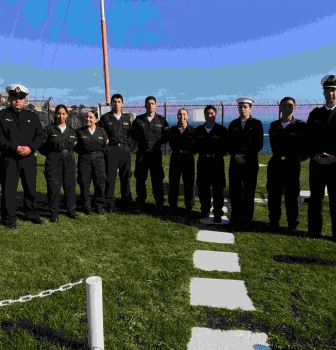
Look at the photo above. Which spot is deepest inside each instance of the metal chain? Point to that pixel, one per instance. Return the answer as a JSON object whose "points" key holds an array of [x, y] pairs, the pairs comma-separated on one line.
{"points": [[45, 293]]}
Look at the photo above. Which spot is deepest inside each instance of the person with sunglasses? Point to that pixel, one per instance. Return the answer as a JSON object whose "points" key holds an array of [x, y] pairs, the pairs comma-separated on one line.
{"points": [[246, 139], [287, 139], [21, 134]]}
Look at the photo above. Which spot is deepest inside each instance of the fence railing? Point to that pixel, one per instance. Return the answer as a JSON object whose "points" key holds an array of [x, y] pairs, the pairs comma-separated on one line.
{"points": [[94, 307]]}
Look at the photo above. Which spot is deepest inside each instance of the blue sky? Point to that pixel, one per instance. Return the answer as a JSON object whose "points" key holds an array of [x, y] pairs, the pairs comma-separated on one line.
{"points": [[176, 50]]}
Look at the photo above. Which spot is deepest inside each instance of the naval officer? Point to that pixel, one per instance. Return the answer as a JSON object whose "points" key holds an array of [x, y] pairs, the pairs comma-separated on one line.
{"points": [[21, 134]]}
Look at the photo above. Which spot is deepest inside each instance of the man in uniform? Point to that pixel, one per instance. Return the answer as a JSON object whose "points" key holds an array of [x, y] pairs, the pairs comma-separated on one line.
{"points": [[246, 139], [287, 139], [21, 135], [211, 145], [117, 126], [321, 144], [150, 131]]}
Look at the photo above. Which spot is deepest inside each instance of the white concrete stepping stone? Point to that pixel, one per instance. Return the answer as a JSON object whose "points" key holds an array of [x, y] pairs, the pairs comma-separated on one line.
{"points": [[222, 293], [262, 165], [214, 339], [260, 200], [215, 237], [216, 261]]}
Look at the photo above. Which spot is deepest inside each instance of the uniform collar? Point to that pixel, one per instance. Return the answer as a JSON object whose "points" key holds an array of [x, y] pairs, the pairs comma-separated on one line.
{"points": [[328, 109]]}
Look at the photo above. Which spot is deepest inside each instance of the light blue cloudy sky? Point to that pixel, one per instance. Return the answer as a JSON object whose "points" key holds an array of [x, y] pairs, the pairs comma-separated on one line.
{"points": [[176, 50]]}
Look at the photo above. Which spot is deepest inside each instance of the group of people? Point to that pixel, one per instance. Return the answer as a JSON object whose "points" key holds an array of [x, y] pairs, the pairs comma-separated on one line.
{"points": [[103, 148]]}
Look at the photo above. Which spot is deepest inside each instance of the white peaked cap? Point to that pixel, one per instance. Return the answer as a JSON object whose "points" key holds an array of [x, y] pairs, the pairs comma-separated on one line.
{"points": [[245, 100], [17, 88]]}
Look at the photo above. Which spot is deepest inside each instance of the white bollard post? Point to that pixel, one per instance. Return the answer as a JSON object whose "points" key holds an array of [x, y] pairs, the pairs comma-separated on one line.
{"points": [[94, 306]]}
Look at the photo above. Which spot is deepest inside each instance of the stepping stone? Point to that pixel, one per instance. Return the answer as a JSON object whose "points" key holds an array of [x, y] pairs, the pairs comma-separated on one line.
{"points": [[214, 339], [215, 237], [260, 200], [216, 261], [262, 165], [225, 209], [223, 293]]}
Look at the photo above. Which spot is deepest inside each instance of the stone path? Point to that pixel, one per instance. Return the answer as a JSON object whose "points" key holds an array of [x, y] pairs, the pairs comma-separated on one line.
{"points": [[221, 293]]}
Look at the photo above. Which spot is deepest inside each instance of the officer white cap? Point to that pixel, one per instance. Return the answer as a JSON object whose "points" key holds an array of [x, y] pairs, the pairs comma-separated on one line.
{"points": [[17, 89], [328, 81], [245, 100]]}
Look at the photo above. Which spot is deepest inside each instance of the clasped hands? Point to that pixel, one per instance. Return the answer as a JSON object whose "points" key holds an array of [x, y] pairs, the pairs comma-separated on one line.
{"points": [[240, 158], [23, 151], [324, 158]]}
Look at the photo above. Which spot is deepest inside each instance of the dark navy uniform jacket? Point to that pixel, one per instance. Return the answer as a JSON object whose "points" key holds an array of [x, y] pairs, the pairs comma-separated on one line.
{"points": [[248, 141], [289, 142], [87, 142], [150, 135], [214, 142], [181, 142], [321, 132], [118, 131], [19, 129], [55, 141]]}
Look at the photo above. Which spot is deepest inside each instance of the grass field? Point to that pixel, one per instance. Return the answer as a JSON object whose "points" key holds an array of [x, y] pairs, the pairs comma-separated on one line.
{"points": [[146, 264]]}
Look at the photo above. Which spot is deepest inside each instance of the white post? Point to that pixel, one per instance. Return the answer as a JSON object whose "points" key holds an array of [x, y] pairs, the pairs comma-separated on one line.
{"points": [[94, 306]]}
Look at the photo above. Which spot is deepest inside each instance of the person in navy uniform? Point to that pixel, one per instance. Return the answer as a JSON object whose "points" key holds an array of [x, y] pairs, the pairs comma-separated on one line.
{"points": [[287, 140], [150, 131], [92, 144], [182, 162], [245, 141], [117, 126], [211, 145], [21, 134], [60, 165], [321, 145]]}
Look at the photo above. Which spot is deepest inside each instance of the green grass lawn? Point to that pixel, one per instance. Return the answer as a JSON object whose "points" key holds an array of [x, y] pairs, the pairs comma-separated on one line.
{"points": [[146, 264]]}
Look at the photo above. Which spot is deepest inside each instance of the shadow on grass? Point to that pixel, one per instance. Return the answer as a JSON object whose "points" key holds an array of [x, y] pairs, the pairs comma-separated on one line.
{"points": [[42, 333], [306, 260]]}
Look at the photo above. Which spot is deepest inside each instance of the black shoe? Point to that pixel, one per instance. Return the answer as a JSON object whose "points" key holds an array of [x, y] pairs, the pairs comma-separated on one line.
{"points": [[88, 211], [314, 234], [99, 211], [72, 215], [11, 226], [292, 229], [159, 209], [273, 226], [37, 221], [204, 214], [110, 210], [217, 219], [54, 218]]}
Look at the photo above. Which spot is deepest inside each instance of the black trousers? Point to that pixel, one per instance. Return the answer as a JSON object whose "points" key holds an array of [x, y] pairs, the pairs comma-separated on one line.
{"points": [[13, 169], [283, 177], [118, 158], [92, 167], [321, 175], [151, 161], [61, 169], [211, 175], [181, 163], [242, 186]]}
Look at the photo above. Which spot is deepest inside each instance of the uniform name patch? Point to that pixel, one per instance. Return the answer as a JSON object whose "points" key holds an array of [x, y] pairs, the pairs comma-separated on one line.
{"points": [[54, 135], [158, 125], [126, 123], [84, 137], [100, 137], [9, 120], [28, 121], [72, 137]]}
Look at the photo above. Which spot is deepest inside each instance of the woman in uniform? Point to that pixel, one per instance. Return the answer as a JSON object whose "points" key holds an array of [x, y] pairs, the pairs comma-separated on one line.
{"points": [[181, 162], [91, 146], [60, 164]]}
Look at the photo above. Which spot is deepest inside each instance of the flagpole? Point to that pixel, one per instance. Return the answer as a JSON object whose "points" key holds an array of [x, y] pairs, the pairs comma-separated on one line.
{"points": [[104, 40]]}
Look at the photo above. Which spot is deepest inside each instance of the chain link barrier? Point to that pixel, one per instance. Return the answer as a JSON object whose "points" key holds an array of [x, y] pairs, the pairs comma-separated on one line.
{"points": [[42, 294]]}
